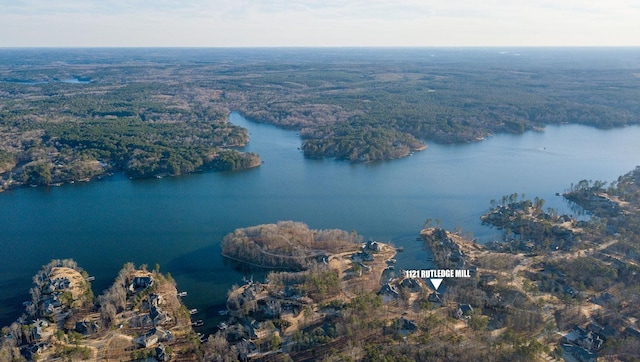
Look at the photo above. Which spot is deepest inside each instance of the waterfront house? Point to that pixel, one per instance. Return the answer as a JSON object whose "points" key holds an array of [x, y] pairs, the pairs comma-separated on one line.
{"points": [[373, 246], [140, 283]]}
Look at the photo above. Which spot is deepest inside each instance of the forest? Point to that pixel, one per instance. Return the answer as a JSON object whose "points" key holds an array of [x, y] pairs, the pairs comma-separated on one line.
{"points": [[286, 244], [163, 111]]}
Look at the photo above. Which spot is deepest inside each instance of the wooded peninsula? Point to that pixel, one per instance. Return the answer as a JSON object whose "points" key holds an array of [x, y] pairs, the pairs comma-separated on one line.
{"points": [[71, 115]]}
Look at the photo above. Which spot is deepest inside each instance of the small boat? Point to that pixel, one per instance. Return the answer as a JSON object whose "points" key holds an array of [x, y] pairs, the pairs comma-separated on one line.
{"points": [[198, 323], [193, 311], [400, 248], [223, 312], [222, 326], [391, 261], [182, 294]]}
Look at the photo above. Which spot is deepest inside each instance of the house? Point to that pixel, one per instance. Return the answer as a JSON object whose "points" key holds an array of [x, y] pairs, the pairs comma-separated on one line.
{"points": [[255, 330], [141, 321], [248, 294], [51, 305], [473, 270], [161, 353], [159, 316], [291, 292], [246, 349], [272, 309], [145, 341], [463, 311], [406, 326], [156, 300], [58, 284], [373, 246], [632, 332], [39, 327], [456, 255], [435, 297], [389, 292], [585, 339], [579, 353], [140, 283], [361, 257], [604, 332], [439, 233], [412, 284], [86, 328], [31, 352]]}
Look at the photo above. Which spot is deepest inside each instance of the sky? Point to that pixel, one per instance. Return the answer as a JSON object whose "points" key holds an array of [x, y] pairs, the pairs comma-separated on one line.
{"points": [[318, 23]]}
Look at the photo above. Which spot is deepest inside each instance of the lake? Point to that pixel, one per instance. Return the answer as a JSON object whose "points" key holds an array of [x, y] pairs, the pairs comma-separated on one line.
{"points": [[178, 222]]}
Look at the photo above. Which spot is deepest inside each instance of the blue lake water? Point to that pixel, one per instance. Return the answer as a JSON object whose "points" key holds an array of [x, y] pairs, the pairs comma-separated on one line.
{"points": [[178, 222]]}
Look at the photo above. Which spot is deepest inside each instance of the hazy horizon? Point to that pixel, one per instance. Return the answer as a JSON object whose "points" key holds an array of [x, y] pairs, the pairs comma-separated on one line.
{"points": [[311, 23]]}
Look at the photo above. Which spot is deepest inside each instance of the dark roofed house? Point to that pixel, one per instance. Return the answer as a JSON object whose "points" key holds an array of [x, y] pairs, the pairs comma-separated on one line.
{"points": [[159, 316], [161, 353], [248, 294], [140, 283], [51, 305], [373, 246], [579, 353], [362, 257], [435, 297], [58, 284], [411, 284], [604, 332], [146, 340], [473, 270], [246, 349], [156, 300], [389, 292], [39, 327], [463, 311], [632, 332], [272, 309], [86, 328], [406, 326], [585, 339]]}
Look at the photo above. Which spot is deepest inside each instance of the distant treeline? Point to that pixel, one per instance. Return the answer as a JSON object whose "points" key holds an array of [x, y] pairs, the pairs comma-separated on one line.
{"points": [[169, 116]]}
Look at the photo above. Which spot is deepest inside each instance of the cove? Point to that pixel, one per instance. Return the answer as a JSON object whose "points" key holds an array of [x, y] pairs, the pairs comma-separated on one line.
{"points": [[178, 222]]}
